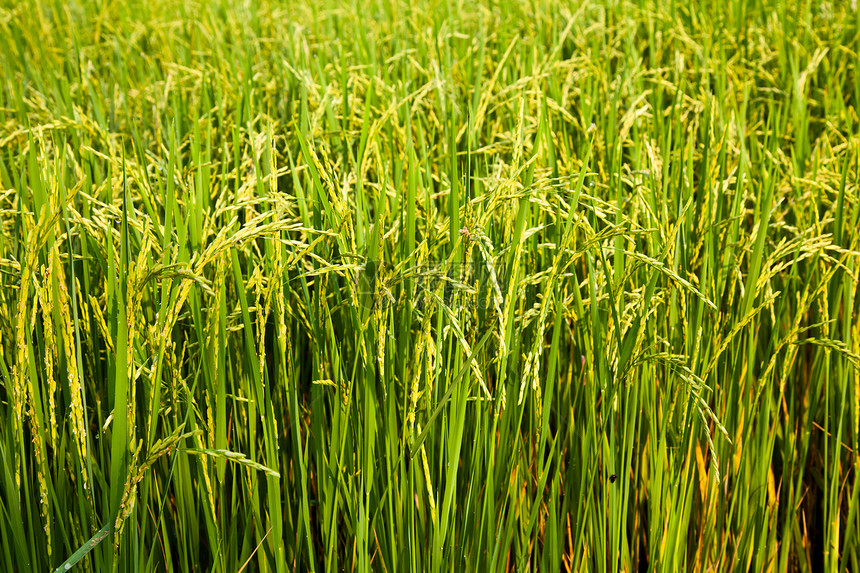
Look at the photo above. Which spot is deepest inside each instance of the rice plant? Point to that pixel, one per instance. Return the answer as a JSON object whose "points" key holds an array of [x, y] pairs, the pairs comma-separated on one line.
{"points": [[429, 286]]}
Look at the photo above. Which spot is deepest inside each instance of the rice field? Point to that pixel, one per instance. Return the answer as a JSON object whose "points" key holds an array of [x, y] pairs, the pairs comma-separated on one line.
{"points": [[429, 286]]}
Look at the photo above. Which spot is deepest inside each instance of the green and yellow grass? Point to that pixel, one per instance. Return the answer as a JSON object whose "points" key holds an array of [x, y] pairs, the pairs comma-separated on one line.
{"points": [[429, 286]]}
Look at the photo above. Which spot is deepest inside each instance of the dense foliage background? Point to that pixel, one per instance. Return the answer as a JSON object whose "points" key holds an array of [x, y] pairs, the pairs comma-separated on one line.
{"points": [[429, 286]]}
